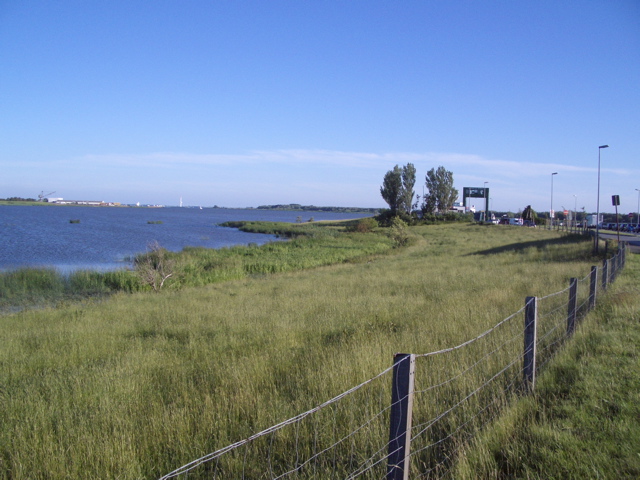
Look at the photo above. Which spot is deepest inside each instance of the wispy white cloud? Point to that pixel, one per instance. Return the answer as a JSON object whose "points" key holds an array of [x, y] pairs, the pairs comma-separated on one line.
{"points": [[463, 165], [457, 162], [320, 177]]}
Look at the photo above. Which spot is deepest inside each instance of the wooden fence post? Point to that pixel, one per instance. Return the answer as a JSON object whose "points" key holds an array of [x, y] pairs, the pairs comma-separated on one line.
{"points": [[612, 271], [401, 412], [593, 285], [619, 259], [605, 274], [571, 310], [530, 340]]}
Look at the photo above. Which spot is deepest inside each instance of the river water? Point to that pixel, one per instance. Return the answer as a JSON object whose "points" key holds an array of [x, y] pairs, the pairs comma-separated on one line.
{"points": [[106, 238]]}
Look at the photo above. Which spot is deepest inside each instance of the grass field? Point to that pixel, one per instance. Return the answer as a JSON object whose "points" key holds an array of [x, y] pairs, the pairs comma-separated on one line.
{"points": [[584, 419], [140, 383]]}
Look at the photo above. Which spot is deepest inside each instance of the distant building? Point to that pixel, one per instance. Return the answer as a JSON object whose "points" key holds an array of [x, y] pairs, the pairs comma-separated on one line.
{"points": [[62, 201]]}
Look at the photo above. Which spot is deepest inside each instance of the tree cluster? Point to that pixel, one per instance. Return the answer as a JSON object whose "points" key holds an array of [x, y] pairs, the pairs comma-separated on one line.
{"points": [[440, 194], [17, 199], [397, 191]]}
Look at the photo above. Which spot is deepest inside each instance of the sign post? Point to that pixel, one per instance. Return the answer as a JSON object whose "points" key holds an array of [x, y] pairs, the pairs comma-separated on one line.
{"points": [[476, 192], [615, 201]]}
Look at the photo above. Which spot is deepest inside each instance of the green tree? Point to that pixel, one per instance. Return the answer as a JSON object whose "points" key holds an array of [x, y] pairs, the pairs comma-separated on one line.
{"points": [[397, 188], [529, 214], [441, 194], [391, 188], [408, 182]]}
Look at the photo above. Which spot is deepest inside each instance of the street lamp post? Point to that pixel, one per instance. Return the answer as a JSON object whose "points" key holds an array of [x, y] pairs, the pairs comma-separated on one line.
{"points": [[575, 212], [551, 209], [638, 214], [598, 200]]}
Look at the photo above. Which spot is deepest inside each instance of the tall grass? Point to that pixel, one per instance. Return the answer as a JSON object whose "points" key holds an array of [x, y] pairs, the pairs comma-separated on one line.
{"points": [[32, 287], [197, 266], [140, 384], [582, 421]]}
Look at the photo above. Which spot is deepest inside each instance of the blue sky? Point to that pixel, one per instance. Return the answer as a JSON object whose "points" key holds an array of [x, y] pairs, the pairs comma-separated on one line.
{"points": [[246, 103]]}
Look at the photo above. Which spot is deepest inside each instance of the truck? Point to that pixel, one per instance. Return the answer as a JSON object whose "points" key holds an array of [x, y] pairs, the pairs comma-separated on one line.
{"points": [[592, 220]]}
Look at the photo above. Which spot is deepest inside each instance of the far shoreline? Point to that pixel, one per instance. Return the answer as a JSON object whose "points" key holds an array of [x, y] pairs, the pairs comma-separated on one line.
{"points": [[284, 207]]}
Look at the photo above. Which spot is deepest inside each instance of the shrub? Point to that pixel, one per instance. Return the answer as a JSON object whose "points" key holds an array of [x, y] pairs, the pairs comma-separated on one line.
{"points": [[366, 225], [155, 267], [387, 217], [433, 218], [399, 233]]}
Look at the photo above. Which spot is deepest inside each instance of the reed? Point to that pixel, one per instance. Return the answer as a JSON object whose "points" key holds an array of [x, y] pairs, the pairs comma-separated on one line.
{"points": [[30, 286], [46, 287], [139, 384]]}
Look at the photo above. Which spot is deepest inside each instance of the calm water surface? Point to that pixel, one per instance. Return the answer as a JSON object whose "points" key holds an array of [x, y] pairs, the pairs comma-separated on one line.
{"points": [[107, 237]]}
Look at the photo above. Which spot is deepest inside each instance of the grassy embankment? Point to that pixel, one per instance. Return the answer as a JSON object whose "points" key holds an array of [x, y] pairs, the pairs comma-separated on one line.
{"points": [[141, 383], [584, 419]]}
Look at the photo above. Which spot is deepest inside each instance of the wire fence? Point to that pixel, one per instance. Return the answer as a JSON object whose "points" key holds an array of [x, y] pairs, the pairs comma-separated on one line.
{"points": [[439, 401]]}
